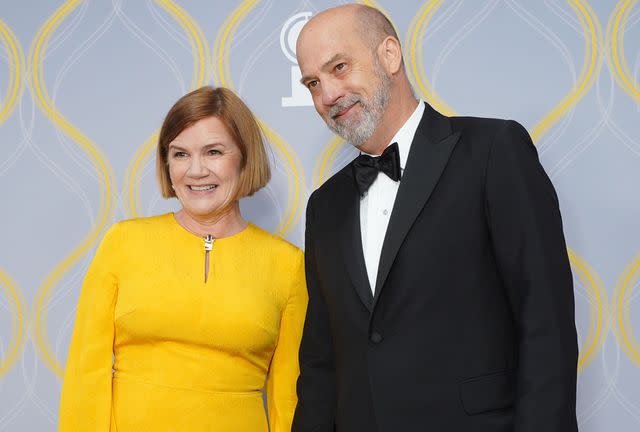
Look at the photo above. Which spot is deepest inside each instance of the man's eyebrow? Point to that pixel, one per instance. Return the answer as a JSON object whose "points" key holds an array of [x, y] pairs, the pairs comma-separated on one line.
{"points": [[324, 66], [304, 79]]}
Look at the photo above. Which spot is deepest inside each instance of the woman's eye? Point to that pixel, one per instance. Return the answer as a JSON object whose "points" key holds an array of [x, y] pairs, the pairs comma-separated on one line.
{"points": [[179, 154], [213, 152]]}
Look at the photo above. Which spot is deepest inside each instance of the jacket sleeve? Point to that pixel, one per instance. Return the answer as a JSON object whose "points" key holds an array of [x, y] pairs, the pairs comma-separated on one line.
{"points": [[316, 385], [85, 403], [284, 368], [526, 229]]}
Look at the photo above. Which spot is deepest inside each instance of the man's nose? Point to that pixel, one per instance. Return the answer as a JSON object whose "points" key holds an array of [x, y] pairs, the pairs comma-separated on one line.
{"points": [[331, 91]]}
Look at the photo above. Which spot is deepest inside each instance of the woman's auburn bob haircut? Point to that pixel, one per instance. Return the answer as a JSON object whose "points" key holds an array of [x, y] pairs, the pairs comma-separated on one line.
{"points": [[222, 103]]}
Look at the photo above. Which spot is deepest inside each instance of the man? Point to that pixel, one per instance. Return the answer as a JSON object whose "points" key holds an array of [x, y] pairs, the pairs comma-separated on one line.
{"points": [[440, 292]]}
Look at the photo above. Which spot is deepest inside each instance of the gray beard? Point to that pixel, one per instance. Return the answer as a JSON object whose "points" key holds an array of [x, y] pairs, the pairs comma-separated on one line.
{"points": [[358, 130]]}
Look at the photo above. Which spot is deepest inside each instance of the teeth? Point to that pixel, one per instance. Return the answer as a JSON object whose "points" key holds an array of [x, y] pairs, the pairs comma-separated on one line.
{"points": [[202, 188]]}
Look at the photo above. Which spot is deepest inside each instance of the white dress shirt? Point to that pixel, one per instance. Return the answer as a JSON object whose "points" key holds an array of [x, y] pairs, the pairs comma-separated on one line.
{"points": [[377, 202]]}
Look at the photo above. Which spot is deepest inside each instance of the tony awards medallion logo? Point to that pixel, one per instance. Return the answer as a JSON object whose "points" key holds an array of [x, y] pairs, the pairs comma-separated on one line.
{"points": [[300, 96]]}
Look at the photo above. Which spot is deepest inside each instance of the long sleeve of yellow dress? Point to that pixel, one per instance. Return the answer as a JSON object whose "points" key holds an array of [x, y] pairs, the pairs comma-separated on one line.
{"points": [[157, 348], [284, 369], [86, 394]]}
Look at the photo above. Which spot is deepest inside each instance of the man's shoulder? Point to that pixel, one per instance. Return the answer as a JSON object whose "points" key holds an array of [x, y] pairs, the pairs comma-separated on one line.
{"points": [[479, 124], [486, 130]]}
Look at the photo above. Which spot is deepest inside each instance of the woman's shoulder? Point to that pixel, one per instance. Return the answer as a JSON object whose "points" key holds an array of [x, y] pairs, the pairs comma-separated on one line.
{"points": [[144, 222], [131, 230], [272, 242]]}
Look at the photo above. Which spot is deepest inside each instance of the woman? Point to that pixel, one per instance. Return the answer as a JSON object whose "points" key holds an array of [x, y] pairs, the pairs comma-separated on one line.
{"points": [[183, 316]]}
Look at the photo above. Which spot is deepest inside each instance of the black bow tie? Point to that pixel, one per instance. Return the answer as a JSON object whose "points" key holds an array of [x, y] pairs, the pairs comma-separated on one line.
{"points": [[366, 168]]}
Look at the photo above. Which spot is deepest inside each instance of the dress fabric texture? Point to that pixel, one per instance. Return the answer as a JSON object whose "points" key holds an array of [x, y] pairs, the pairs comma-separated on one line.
{"points": [[156, 348]]}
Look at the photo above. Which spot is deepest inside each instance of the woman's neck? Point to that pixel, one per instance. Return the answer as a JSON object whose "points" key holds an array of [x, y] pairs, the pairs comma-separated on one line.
{"points": [[224, 224]]}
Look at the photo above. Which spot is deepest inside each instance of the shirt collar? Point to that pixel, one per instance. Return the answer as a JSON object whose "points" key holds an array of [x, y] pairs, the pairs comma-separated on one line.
{"points": [[405, 134]]}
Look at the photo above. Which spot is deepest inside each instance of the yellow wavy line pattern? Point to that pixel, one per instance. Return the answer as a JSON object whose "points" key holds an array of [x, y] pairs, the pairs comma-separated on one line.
{"points": [[222, 76], [599, 311], [100, 164], [615, 54], [295, 190], [16, 66], [592, 33], [134, 175], [414, 43], [622, 298], [15, 57], [16, 305], [222, 44], [198, 41], [200, 50], [325, 161]]}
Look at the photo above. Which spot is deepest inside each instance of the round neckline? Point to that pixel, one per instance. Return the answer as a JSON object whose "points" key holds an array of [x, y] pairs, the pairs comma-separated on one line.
{"points": [[172, 218]]}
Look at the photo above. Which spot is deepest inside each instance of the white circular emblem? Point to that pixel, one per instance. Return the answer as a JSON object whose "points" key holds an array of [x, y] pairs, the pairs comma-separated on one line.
{"points": [[290, 32]]}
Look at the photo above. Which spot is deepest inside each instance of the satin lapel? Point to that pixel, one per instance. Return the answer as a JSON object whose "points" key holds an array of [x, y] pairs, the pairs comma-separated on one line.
{"points": [[431, 148], [352, 242]]}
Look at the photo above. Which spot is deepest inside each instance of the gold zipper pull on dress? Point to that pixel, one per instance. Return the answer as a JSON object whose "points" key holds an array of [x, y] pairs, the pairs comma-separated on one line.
{"points": [[208, 246], [208, 243]]}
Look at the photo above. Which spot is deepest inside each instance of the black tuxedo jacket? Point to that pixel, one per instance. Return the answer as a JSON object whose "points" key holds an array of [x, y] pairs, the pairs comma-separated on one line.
{"points": [[471, 328]]}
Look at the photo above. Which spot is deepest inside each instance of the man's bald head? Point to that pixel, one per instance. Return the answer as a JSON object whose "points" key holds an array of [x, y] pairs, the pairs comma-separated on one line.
{"points": [[373, 26]]}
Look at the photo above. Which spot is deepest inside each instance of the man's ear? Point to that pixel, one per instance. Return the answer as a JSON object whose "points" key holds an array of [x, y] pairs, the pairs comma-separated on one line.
{"points": [[390, 55]]}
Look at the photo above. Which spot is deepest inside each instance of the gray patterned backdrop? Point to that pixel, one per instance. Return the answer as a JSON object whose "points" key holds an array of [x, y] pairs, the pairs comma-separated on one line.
{"points": [[84, 86]]}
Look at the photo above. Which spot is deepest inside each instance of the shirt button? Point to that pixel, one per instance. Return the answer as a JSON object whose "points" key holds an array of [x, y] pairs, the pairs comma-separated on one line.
{"points": [[385, 212], [375, 337]]}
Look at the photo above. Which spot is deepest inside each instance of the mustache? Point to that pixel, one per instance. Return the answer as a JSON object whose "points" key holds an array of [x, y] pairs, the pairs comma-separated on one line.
{"points": [[343, 104]]}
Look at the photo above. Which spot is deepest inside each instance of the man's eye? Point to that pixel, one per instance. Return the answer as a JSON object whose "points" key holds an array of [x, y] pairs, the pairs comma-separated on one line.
{"points": [[311, 84], [340, 66]]}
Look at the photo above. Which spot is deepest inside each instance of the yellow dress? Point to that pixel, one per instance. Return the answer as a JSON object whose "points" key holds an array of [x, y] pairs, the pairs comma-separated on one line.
{"points": [[155, 348]]}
